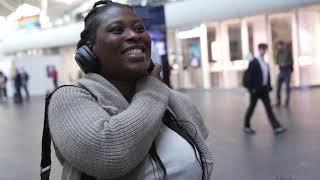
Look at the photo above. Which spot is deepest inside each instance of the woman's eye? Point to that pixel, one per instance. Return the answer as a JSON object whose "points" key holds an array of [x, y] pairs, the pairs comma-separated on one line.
{"points": [[139, 29], [116, 30]]}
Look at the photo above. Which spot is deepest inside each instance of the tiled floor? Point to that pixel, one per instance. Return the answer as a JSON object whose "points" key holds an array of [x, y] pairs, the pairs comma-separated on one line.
{"points": [[294, 155]]}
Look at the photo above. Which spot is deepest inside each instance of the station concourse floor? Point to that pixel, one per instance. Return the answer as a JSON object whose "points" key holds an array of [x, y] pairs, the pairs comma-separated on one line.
{"points": [[294, 155]]}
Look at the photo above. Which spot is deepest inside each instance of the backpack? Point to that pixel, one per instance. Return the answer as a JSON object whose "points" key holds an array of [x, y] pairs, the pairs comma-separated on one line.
{"points": [[245, 79], [45, 165]]}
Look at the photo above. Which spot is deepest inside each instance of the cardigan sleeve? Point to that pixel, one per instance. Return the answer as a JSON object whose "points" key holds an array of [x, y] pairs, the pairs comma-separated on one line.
{"points": [[103, 145]]}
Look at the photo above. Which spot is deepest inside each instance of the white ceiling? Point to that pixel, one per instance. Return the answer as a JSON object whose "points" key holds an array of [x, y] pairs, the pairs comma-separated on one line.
{"points": [[191, 12], [58, 8], [177, 15]]}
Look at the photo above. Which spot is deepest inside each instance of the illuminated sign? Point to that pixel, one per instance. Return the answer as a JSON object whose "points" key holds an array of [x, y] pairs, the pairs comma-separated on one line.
{"points": [[29, 22]]}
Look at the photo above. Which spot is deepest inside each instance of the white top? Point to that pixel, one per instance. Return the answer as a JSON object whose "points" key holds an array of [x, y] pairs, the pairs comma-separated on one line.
{"points": [[177, 155], [265, 70]]}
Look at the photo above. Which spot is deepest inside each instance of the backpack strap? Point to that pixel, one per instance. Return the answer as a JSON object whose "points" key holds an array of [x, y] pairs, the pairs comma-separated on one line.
{"points": [[45, 165]]}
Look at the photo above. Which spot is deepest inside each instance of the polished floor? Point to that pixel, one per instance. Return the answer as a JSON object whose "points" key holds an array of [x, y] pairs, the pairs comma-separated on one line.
{"points": [[294, 155]]}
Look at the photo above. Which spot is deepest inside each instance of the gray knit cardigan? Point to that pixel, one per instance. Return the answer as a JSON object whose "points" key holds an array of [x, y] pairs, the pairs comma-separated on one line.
{"points": [[110, 138]]}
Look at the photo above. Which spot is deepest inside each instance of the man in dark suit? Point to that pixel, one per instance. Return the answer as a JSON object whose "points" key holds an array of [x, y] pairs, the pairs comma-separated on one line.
{"points": [[258, 84]]}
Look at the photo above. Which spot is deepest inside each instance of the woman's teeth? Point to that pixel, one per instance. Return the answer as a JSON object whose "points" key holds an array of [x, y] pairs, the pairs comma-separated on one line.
{"points": [[133, 51]]}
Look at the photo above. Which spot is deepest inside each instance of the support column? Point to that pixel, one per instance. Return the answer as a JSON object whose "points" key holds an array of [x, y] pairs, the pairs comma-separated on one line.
{"points": [[273, 67], [204, 56], [244, 38], [225, 48], [179, 61], [219, 54], [44, 19], [317, 31], [317, 35], [269, 40], [295, 47]]}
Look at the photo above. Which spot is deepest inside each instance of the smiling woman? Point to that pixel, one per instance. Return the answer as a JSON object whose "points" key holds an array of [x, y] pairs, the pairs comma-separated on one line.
{"points": [[120, 121]]}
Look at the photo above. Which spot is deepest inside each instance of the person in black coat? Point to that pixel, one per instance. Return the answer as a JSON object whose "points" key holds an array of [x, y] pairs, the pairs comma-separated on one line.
{"points": [[3, 86], [17, 85], [258, 85], [24, 82]]}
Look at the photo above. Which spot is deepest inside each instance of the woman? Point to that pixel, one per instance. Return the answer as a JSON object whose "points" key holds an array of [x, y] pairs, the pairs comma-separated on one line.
{"points": [[124, 123]]}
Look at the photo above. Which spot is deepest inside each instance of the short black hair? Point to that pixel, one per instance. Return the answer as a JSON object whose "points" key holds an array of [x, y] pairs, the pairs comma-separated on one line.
{"points": [[262, 46], [92, 21]]}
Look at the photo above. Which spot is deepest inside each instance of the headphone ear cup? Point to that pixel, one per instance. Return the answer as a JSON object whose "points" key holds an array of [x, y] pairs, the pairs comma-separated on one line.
{"points": [[86, 60]]}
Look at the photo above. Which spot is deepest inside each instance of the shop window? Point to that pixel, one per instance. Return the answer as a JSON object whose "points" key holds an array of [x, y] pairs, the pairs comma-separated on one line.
{"points": [[191, 53], [212, 44], [235, 45], [281, 31]]}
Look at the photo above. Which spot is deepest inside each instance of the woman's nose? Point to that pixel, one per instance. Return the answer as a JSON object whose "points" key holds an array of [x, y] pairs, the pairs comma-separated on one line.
{"points": [[131, 35]]}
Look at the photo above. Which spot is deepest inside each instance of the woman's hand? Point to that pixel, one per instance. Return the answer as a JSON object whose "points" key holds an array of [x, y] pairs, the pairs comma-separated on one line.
{"points": [[156, 71]]}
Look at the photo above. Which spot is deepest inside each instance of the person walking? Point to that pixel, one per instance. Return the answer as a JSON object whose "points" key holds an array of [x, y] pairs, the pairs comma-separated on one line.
{"points": [[3, 87], [24, 82], [285, 62], [54, 76], [258, 85], [17, 85]]}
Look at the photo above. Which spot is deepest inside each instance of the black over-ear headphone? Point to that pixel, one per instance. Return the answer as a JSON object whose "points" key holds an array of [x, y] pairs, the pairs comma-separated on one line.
{"points": [[86, 60]]}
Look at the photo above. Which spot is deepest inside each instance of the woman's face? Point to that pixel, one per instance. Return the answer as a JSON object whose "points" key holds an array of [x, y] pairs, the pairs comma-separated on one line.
{"points": [[122, 45]]}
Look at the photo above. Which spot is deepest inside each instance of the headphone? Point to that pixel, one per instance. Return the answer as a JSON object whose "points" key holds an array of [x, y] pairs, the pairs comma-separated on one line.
{"points": [[86, 60], [88, 63]]}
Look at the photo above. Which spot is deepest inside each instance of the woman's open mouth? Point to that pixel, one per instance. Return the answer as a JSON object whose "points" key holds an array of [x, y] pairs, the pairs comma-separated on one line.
{"points": [[136, 52]]}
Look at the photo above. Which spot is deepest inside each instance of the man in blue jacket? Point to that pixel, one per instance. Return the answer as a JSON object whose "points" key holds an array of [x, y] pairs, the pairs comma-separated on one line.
{"points": [[258, 84]]}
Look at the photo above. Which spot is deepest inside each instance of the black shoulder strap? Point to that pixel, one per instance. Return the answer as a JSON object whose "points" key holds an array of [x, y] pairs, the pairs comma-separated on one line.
{"points": [[46, 138]]}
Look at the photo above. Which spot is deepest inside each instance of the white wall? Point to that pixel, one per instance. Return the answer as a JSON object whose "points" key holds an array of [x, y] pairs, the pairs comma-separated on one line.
{"points": [[68, 70], [36, 67], [309, 47], [259, 34], [191, 12]]}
